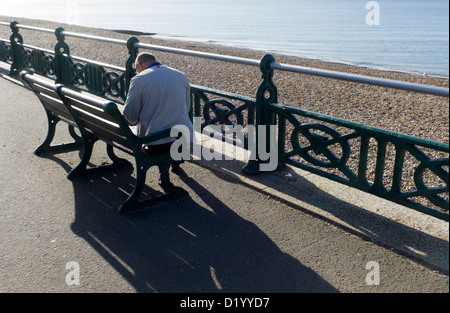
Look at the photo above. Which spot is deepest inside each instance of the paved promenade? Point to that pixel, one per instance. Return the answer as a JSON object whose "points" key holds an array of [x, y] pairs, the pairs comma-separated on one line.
{"points": [[289, 231]]}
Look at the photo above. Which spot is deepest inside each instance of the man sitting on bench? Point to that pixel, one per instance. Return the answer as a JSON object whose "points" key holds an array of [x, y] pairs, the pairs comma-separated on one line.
{"points": [[158, 98]]}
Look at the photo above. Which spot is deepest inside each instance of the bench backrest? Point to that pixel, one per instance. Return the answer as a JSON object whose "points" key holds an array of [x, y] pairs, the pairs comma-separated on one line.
{"points": [[91, 115], [45, 90]]}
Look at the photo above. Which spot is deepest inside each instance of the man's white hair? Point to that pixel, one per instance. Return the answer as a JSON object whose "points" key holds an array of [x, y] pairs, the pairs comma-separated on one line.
{"points": [[145, 57]]}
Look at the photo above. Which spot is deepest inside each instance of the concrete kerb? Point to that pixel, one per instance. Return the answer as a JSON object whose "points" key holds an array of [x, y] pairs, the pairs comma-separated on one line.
{"points": [[418, 236]]}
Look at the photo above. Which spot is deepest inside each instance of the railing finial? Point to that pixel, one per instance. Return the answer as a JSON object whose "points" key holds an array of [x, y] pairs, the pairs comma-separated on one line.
{"points": [[129, 65], [16, 40], [266, 94], [63, 64]]}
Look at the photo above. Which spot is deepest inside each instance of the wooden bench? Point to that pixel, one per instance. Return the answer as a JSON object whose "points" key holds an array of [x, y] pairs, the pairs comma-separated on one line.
{"points": [[100, 119], [56, 111]]}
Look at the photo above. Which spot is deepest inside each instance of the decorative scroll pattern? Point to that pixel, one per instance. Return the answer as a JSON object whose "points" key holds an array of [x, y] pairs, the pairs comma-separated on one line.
{"points": [[5, 52], [88, 76], [224, 110], [95, 79], [404, 169], [39, 62]]}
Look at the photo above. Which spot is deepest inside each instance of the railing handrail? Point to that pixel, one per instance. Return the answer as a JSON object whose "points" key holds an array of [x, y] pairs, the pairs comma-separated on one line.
{"points": [[40, 29], [91, 37], [69, 34], [207, 55], [367, 80]]}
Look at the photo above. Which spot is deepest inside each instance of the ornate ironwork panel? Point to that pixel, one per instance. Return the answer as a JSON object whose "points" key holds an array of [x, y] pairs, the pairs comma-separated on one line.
{"points": [[5, 52], [227, 110], [39, 62], [408, 170], [94, 78]]}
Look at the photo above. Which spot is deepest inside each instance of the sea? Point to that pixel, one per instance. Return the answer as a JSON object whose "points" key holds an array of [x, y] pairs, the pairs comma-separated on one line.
{"points": [[402, 35]]}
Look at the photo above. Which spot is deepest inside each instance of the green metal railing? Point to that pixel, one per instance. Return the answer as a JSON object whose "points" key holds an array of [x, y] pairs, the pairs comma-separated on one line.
{"points": [[350, 153]]}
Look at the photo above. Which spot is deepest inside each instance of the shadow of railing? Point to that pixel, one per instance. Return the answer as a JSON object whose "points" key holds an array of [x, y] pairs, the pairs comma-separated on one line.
{"points": [[300, 193]]}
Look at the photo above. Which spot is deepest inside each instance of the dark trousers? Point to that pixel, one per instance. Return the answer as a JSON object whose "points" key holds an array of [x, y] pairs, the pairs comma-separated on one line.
{"points": [[157, 149], [161, 149]]}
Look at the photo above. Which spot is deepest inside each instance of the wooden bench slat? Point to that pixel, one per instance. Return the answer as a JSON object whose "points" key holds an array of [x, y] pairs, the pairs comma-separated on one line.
{"points": [[96, 120], [55, 106], [106, 131], [42, 89], [90, 108]]}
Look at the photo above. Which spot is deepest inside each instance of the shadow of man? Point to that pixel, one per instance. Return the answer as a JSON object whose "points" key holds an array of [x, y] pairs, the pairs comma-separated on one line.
{"points": [[416, 244], [192, 244]]}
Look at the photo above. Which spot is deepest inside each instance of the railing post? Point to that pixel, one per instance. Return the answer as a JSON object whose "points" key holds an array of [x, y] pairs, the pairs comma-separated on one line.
{"points": [[16, 40], [63, 64], [267, 93], [130, 71]]}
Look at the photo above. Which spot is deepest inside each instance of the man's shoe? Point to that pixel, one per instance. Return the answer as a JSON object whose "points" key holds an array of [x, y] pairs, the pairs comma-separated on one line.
{"points": [[175, 167], [167, 186]]}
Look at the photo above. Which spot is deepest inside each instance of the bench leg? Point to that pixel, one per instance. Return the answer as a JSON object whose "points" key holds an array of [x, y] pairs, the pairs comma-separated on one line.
{"points": [[165, 183], [170, 190], [117, 162], [74, 135], [46, 146], [80, 169], [132, 201]]}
